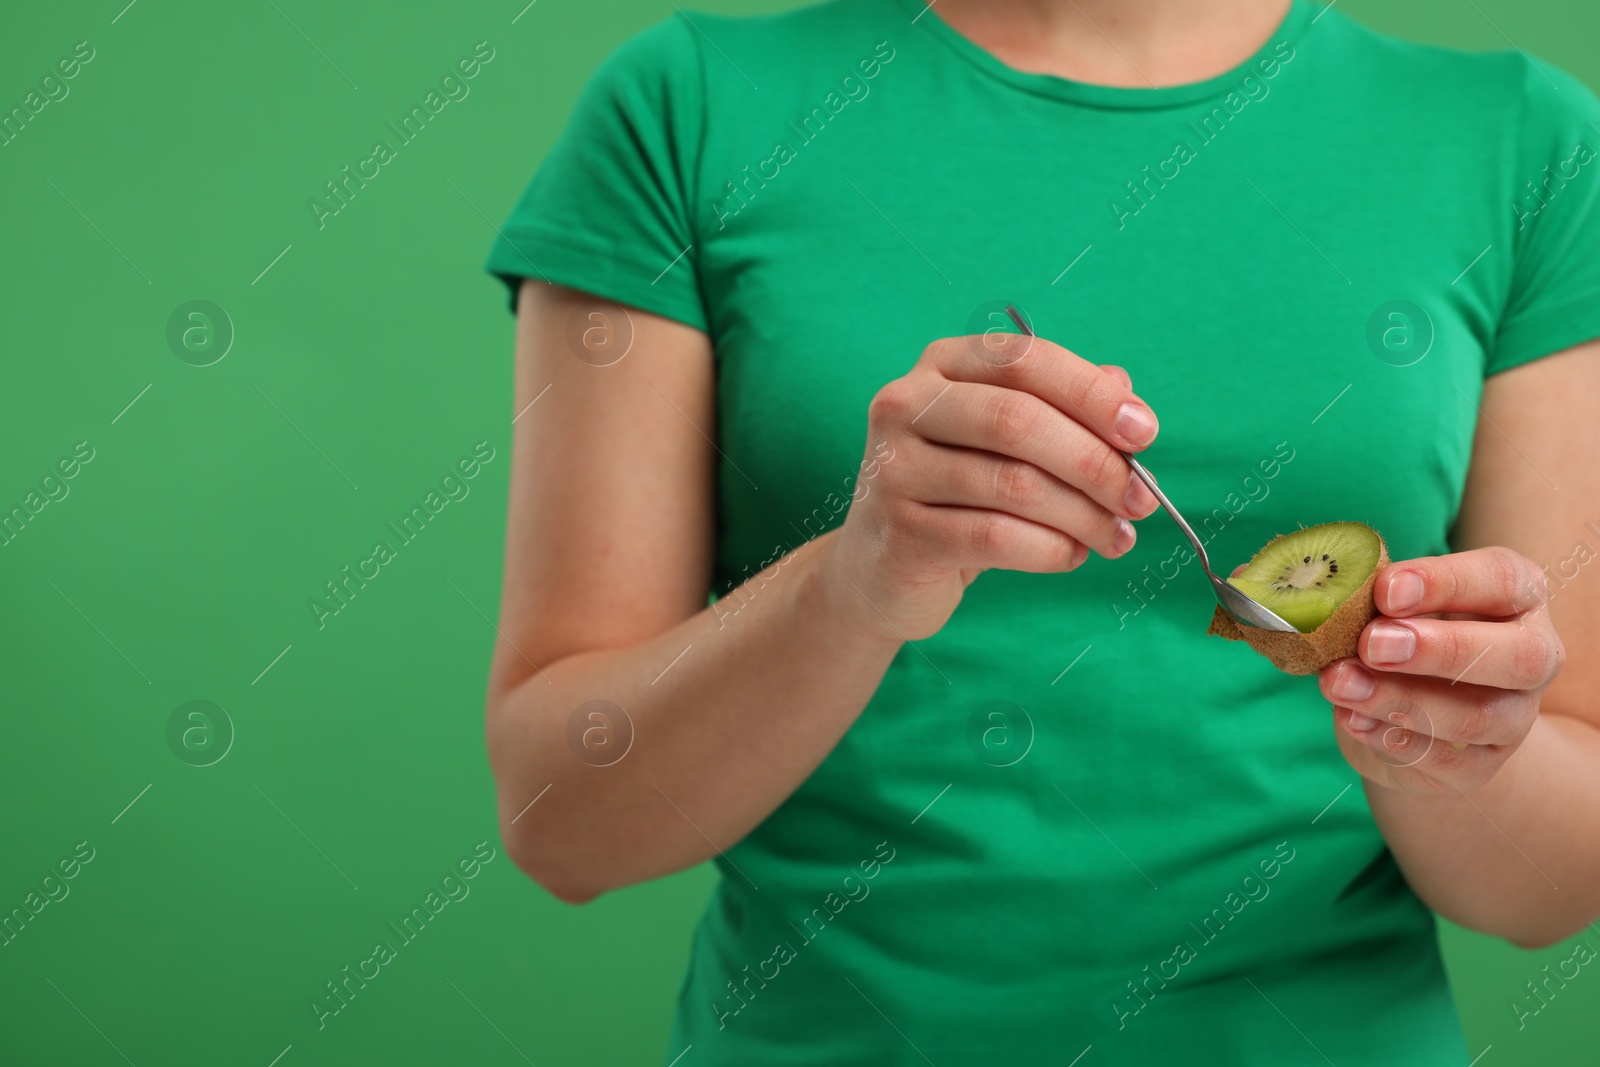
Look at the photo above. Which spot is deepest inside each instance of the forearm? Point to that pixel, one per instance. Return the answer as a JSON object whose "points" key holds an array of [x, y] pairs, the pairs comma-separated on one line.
{"points": [[723, 733], [1518, 857]]}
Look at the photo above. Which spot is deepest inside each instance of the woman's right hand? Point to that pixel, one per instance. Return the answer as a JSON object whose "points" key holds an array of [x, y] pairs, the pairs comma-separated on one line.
{"points": [[992, 452]]}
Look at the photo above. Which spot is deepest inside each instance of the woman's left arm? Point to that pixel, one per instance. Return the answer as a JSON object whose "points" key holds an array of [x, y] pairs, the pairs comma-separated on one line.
{"points": [[1476, 729]]}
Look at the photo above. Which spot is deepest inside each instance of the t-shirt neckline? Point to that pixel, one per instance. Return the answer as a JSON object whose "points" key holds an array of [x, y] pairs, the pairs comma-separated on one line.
{"points": [[1298, 17]]}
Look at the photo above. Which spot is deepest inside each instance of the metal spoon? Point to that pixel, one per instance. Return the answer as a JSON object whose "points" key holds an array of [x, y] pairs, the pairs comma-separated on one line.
{"points": [[1235, 602]]}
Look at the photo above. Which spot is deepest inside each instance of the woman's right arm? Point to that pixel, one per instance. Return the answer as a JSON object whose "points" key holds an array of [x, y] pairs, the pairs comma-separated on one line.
{"points": [[608, 565]]}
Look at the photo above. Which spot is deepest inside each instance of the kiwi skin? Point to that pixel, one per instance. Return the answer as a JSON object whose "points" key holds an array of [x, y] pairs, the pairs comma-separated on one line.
{"points": [[1308, 653]]}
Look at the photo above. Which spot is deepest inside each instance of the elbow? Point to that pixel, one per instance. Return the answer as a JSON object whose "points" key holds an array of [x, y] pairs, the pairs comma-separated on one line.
{"points": [[540, 865]]}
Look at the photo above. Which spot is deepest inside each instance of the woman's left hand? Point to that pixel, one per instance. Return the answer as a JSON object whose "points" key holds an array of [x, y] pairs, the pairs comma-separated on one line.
{"points": [[1450, 675]]}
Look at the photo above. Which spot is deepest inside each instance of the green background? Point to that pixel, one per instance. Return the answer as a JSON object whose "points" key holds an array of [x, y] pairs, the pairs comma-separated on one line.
{"points": [[370, 355]]}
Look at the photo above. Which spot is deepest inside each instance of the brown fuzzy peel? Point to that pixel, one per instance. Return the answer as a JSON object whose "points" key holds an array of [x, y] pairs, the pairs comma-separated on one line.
{"points": [[1299, 653]]}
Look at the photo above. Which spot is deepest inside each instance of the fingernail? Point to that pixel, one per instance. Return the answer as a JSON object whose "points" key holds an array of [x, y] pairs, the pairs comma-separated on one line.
{"points": [[1139, 501], [1125, 537], [1078, 556], [1405, 591], [1360, 723], [1351, 683], [1389, 642], [1136, 424]]}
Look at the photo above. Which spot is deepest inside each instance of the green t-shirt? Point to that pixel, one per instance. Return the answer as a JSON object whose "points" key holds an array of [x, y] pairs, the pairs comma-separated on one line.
{"points": [[1070, 818]]}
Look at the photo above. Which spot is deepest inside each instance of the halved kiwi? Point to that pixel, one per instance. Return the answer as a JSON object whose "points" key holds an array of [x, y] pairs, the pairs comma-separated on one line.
{"points": [[1318, 580]]}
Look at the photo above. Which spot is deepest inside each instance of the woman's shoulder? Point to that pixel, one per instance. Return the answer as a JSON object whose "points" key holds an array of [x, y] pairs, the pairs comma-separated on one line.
{"points": [[737, 50], [1509, 82]]}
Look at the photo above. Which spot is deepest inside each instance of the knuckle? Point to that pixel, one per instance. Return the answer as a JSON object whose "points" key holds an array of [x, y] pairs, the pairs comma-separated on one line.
{"points": [[1013, 419], [1018, 484], [990, 536], [1537, 657], [1505, 568], [892, 403], [937, 351], [1098, 467]]}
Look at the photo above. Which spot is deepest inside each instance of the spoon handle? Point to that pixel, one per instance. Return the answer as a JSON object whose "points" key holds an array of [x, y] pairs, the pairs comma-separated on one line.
{"points": [[1150, 482]]}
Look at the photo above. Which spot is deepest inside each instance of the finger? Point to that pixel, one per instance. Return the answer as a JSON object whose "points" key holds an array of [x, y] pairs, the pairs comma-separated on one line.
{"points": [[1119, 373], [1077, 387], [959, 537], [1010, 422], [937, 474], [1238, 570], [1458, 713], [1499, 654], [1403, 759], [1484, 581]]}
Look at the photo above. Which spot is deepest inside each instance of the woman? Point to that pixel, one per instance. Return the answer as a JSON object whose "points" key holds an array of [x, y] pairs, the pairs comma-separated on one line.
{"points": [[977, 797]]}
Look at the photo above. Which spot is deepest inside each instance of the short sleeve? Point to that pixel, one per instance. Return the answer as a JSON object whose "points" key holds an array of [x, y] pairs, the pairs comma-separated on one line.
{"points": [[609, 209], [1554, 301]]}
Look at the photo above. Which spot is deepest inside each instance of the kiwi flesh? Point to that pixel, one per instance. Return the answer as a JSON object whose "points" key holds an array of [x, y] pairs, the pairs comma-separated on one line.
{"points": [[1317, 579]]}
